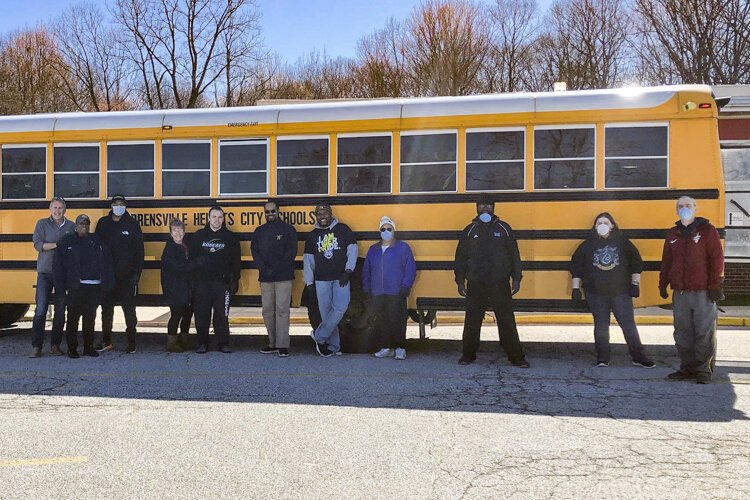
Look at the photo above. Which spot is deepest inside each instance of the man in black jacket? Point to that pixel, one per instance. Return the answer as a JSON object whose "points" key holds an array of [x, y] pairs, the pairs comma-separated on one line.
{"points": [[122, 235], [274, 248], [487, 258], [215, 252], [83, 269]]}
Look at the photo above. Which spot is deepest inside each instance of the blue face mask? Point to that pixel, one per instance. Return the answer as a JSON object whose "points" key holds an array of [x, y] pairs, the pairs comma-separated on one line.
{"points": [[685, 214], [485, 217], [386, 235]]}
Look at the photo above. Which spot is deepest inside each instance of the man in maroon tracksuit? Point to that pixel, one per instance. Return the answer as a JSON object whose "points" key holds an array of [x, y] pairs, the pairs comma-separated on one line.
{"points": [[693, 265]]}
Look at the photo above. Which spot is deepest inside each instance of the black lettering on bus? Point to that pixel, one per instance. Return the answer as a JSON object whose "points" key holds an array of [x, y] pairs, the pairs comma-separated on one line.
{"points": [[229, 218]]}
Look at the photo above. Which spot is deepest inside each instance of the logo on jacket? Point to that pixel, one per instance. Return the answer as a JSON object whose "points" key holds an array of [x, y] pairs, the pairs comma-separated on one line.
{"points": [[127, 233], [697, 237], [606, 258], [279, 236], [327, 244], [213, 245]]}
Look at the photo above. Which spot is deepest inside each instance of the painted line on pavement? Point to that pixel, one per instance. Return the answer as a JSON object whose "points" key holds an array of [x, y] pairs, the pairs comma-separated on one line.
{"points": [[42, 461]]}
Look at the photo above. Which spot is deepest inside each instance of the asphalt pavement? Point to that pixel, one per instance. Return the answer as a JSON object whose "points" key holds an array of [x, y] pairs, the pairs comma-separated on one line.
{"points": [[251, 425]]}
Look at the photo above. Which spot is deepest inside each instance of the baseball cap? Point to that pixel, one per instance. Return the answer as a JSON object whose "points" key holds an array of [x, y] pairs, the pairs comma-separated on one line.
{"points": [[119, 197]]}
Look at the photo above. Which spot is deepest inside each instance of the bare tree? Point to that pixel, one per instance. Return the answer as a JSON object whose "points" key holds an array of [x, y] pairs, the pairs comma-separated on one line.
{"points": [[315, 76], [447, 45], [381, 66], [515, 28], [29, 82], [182, 48]]}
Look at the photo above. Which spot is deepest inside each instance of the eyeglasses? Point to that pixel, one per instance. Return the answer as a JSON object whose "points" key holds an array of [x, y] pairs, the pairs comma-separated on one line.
{"points": [[384, 229], [270, 211]]}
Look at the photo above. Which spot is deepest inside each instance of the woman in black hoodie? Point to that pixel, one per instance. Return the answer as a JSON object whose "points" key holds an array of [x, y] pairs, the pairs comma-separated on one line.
{"points": [[176, 285], [609, 267]]}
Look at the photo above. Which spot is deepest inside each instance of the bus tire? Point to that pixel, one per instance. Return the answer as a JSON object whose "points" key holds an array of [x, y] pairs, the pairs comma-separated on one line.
{"points": [[428, 317], [11, 313]]}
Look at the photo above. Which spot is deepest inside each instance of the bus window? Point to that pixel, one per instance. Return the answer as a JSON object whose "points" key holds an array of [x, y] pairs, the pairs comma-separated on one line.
{"points": [[76, 170], [636, 156], [736, 168], [186, 168], [564, 158], [130, 169], [24, 172], [243, 167], [302, 165], [428, 161], [495, 160], [364, 164]]}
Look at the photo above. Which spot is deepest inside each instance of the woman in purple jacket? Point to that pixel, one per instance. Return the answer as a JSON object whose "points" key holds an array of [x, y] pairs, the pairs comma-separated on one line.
{"points": [[388, 275]]}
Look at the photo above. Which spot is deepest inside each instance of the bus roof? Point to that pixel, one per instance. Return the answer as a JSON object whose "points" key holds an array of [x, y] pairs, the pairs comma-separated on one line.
{"points": [[522, 102]]}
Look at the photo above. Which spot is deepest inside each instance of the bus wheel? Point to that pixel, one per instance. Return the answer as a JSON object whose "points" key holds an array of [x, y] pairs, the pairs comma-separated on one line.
{"points": [[10, 313], [427, 317]]}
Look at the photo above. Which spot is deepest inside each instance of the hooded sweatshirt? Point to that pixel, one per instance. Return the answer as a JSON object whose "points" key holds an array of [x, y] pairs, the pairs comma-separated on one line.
{"points": [[692, 259], [124, 239], [216, 255], [606, 264], [329, 252]]}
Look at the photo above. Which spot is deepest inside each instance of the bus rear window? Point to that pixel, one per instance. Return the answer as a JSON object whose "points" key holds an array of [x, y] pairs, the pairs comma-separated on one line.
{"points": [[76, 170], [24, 172], [130, 169], [495, 160], [186, 168], [364, 164], [636, 156], [564, 158], [428, 162], [302, 166]]}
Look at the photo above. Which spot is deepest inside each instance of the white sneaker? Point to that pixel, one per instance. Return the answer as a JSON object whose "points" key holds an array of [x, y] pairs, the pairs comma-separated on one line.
{"points": [[400, 353], [385, 352]]}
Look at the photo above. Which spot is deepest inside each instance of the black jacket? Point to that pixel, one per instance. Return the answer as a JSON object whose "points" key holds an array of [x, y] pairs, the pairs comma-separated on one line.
{"points": [[125, 241], [605, 264], [176, 282], [487, 252], [71, 257], [274, 247], [216, 255]]}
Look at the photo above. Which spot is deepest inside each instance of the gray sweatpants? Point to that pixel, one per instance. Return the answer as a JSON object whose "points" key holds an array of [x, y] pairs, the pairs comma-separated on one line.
{"points": [[695, 331]]}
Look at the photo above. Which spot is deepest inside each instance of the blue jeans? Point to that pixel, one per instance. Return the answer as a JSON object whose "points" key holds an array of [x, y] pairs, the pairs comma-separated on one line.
{"points": [[44, 286], [333, 300], [622, 306]]}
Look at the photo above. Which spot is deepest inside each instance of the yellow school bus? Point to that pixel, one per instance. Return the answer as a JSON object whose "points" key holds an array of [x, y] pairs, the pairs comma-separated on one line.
{"points": [[552, 160]]}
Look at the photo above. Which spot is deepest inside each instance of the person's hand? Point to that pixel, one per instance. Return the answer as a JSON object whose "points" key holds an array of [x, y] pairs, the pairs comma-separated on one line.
{"points": [[344, 278], [234, 286], [716, 295], [635, 290], [576, 296], [515, 286], [404, 292], [663, 293], [461, 289]]}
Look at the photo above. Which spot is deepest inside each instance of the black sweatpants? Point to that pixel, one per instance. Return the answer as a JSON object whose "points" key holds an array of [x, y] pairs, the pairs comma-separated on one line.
{"points": [[124, 294], [479, 297], [82, 302], [179, 316], [212, 297], [390, 320]]}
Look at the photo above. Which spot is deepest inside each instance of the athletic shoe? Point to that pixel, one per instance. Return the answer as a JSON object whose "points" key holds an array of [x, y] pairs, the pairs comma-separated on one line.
{"points": [[283, 352], [36, 353], [400, 353], [73, 354], [201, 349], [466, 360], [225, 349], [105, 347], [56, 351], [130, 349], [602, 364], [522, 363], [681, 375], [90, 351], [317, 346], [269, 350], [325, 351], [385, 352], [338, 353], [644, 363]]}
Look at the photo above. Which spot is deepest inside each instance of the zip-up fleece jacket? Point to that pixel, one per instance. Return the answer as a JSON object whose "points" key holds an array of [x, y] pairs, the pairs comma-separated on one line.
{"points": [[274, 247], [217, 254], [606, 264], [692, 259], [329, 252], [487, 252], [72, 262], [48, 231], [124, 239], [386, 273]]}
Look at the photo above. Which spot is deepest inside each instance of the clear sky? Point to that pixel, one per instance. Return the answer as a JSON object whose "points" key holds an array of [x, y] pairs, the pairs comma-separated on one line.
{"points": [[291, 28]]}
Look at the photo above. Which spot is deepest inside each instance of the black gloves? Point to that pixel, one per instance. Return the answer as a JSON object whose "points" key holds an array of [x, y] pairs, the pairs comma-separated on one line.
{"points": [[663, 293], [461, 289], [344, 278], [635, 290], [234, 286], [515, 286], [716, 295], [577, 296]]}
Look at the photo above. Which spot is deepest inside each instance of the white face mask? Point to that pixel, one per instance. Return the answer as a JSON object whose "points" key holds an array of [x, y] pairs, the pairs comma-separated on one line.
{"points": [[118, 210], [602, 229], [686, 214], [485, 217]]}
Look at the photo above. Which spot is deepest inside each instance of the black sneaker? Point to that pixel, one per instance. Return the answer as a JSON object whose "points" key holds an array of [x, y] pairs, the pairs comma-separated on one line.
{"points": [[225, 349], [466, 360], [644, 363], [201, 349], [702, 378], [283, 352], [130, 349], [681, 375], [72, 354], [317, 346], [324, 351], [602, 364], [522, 363], [90, 351], [269, 350]]}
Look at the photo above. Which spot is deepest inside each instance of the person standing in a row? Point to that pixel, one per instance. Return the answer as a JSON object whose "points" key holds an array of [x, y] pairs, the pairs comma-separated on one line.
{"points": [[47, 234], [83, 271], [274, 248], [176, 285], [488, 273], [215, 252], [121, 233]]}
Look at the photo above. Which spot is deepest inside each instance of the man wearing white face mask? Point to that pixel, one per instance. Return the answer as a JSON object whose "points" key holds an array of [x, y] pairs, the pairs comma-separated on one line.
{"points": [[692, 264]]}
